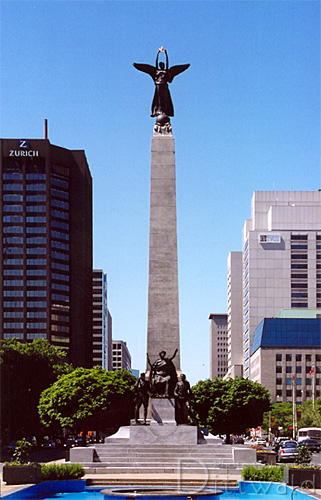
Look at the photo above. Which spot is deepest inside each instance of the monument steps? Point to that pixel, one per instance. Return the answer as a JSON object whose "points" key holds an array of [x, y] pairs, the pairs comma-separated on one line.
{"points": [[155, 455], [94, 468], [162, 458], [163, 463]]}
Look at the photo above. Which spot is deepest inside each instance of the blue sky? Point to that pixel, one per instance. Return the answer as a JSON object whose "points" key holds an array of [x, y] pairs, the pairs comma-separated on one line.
{"points": [[247, 117]]}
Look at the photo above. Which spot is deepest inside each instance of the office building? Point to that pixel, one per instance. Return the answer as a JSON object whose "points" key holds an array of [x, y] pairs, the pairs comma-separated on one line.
{"points": [[286, 357], [102, 322], [281, 259], [46, 246], [218, 345], [121, 355]]}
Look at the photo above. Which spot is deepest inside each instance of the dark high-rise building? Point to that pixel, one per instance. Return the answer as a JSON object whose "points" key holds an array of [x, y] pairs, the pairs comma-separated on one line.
{"points": [[46, 246]]}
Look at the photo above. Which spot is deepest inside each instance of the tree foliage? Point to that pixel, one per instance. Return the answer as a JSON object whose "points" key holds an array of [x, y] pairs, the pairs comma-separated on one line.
{"points": [[229, 406], [26, 369], [311, 417], [88, 399], [282, 416]]}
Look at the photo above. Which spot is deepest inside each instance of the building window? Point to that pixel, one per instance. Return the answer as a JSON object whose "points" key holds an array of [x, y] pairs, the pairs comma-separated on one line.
{"points": [[13, 325], [14, 176], [13, 314], [36, 187], [36, 177], [13, 293], [298, 357], [13, 282], [36, 262], [36, 219], [308, 357], [36, 293], [36, 314], [12, 208], [288, 357], [36, 304], [12, 229], [288, 369], [279, 369], [278, 357], [298, 369], [36, 197]]}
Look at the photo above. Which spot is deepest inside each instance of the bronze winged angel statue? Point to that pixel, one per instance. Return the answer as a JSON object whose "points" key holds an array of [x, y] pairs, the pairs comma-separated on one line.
{"points": [[162, 76]]}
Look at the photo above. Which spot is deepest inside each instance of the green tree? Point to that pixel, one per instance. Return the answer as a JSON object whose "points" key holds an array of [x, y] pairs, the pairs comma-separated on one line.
{"points": [[229, 406], [26, 369], [311, 417], [88, 399], [283, 417]]}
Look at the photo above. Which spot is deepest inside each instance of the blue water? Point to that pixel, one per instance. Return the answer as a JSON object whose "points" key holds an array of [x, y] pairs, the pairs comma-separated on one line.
{"points": [[246, 491]]}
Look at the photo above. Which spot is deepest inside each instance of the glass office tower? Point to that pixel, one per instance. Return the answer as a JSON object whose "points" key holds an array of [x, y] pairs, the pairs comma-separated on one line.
{"points": [[46, 246]]}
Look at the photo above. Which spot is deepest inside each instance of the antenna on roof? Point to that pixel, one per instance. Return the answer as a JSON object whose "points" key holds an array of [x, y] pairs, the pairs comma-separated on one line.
{"points": [[46, 129]]}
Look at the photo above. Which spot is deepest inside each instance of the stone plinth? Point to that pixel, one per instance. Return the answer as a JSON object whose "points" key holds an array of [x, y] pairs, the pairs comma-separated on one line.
{"points": [[163, 411], [163, 428]]}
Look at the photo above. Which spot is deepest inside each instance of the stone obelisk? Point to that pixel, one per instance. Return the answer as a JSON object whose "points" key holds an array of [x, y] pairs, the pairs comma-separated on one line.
{"points": [[163, 308]]}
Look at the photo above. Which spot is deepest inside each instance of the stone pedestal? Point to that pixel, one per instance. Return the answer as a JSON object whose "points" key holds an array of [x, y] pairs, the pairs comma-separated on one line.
{"points": [[163, 411], [163, 428]]}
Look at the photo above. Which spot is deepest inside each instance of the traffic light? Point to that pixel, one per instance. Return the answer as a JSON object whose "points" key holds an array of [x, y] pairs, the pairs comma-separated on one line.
{"points": [[272, 421], [298, 415]]}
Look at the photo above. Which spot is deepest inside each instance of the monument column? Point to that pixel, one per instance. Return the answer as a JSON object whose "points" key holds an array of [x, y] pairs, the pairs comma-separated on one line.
{"points": [[163, 316], [163, 309]]}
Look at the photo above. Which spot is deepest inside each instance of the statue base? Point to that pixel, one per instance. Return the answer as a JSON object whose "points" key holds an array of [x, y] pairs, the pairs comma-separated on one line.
{"points": [[163, 428], [162, 411]]}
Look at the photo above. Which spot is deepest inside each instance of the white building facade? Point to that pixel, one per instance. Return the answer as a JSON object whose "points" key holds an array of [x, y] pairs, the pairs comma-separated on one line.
{"points": [[281, 259]]}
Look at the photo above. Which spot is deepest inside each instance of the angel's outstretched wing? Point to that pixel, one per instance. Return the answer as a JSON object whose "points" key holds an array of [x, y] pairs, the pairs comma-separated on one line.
{"points": [[146, 68], [176, 70]]}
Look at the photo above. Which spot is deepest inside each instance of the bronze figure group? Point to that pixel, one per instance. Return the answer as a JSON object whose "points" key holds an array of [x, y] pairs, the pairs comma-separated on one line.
{"points": [[163, 383]]}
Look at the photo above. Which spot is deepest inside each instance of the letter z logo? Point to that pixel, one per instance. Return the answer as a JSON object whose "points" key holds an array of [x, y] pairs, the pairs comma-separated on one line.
{"points": [[23, 144]]}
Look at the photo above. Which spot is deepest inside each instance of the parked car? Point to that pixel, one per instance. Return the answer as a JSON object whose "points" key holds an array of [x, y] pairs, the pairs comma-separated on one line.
{"points": [[70, 443], [239, 440], [312, 444], [281, 442], [288, 452], [261, 441], [49, 444]]}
